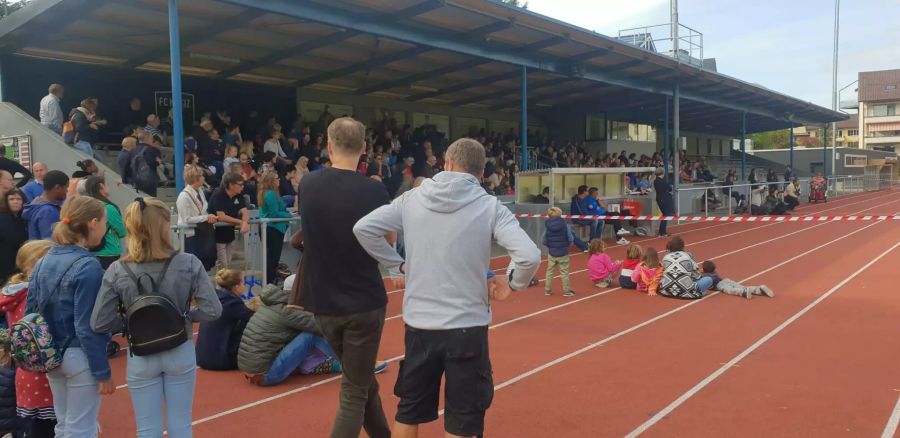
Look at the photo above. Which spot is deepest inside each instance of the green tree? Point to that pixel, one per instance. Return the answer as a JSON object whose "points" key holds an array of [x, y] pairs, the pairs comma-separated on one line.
{"points": [[779, 139], [519, 3], [9, 6]]}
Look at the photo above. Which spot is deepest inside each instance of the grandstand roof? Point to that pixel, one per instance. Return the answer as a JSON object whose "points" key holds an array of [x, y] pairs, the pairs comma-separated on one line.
{"points": [[444, 52]]}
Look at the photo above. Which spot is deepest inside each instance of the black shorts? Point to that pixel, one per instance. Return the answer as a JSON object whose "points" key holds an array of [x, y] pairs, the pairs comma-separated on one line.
{"points": [[461, 356]]}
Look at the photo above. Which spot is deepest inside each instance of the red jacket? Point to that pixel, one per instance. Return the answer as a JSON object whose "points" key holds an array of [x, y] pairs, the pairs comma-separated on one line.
{"points": [[33, 396]]}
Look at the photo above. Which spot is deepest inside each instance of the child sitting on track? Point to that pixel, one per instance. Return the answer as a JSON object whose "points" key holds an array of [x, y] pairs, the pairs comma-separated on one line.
{"points": [[647, 274], [558, 236], [601, 265], [218, 341], [632, 260], [731, 287]]}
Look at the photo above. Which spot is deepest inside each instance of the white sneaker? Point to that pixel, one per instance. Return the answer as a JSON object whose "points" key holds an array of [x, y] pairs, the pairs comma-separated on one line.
{"points": [[623, 232], [623, 241]]}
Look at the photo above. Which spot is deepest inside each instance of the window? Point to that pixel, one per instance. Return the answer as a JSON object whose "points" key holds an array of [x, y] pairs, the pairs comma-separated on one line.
{"points": [[840, 133], [595, 127], [882, 110], [708, 146], [890, 87], [855, 160], [853, 132]]}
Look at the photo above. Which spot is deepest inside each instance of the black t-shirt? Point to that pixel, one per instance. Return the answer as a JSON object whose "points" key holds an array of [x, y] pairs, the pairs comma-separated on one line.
{"points": [[337, 276], [220, 201]]}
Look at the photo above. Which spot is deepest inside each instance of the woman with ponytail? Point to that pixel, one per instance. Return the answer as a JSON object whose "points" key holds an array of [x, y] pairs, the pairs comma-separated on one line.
{"points": [[167, 377], [110, 249], [63, 288]]}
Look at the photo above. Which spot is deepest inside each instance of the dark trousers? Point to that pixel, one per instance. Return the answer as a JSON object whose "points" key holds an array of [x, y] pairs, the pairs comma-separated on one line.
{"points": [[355, 339], [274, 241], [791, 202]]}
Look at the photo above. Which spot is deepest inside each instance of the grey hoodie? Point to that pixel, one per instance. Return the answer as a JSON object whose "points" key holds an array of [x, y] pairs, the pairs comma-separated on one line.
{"points": [[448, 224]]}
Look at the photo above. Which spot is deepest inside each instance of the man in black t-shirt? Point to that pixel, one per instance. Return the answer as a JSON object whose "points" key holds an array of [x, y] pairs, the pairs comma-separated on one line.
{"points": [[227, 202], [338, 281]]}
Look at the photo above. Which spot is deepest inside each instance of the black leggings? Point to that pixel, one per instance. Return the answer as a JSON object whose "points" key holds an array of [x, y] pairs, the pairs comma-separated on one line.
{"points": [[274, 239], [32, 427]]}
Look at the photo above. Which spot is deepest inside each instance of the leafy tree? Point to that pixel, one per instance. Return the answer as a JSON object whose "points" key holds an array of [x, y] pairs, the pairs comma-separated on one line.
{"points": [[779, 139], [9, 6], [519, 3]]}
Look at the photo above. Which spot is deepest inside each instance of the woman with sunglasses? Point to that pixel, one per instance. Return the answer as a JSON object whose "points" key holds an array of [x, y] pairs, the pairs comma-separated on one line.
{"points": [[166, 377]]}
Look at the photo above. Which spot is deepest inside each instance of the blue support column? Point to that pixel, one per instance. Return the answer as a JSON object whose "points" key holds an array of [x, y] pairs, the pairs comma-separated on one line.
{"points": [[825, 153], [668, 140], [177, 107], [743, 149], [524, 118], [792, 146]]}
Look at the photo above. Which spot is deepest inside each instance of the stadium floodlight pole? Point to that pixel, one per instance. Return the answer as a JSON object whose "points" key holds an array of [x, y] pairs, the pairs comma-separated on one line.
{"points": [[743, 149], [177, 107], [792, 144], [834, 89]]}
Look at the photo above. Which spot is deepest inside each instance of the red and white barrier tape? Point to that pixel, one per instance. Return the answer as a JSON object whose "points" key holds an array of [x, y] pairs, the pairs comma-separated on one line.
{"points": [[723, 218]]}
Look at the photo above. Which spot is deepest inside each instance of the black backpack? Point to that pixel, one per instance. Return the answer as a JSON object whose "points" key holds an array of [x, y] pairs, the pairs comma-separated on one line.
{"points": [[153, 323], [141, 174]]}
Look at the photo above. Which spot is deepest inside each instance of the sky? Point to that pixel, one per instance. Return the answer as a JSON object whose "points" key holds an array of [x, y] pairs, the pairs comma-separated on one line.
{"points": [[784, 45]]}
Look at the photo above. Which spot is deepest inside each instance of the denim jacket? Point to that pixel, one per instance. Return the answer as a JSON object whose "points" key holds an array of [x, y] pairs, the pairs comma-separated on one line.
{"points": [[68, 310]]}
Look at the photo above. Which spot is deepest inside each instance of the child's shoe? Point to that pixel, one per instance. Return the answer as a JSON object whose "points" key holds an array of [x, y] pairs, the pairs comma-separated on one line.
{"points": [[548, 292], [748, 292], [533, 282], [602, 284], [569, 293], [767, 291]]}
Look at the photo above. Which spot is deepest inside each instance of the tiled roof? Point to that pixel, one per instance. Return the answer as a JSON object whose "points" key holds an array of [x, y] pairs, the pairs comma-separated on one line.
{"points": [[879, 85]]}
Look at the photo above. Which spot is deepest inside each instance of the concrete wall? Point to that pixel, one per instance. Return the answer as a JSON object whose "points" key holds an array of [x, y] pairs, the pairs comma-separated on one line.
{"points": [[47, 147], [809, 161]]}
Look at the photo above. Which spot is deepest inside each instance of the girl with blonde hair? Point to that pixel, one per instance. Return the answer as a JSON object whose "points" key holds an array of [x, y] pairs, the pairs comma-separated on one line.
{"points": [[166, 377], [271, 206], [34, 401], [63, 289]]}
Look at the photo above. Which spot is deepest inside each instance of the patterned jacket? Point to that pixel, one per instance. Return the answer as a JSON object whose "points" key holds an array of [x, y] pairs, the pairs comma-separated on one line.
{"points": [[680, 276]]}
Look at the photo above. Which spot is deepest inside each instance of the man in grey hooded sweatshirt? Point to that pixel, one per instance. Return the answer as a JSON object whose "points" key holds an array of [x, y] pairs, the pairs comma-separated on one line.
{"points": [[448, 225]]}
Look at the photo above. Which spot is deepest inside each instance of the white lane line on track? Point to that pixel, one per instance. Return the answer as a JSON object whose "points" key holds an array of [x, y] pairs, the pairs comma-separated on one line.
{"points": [[396, 358], [659, 317], [709, 379], [891, 428]]}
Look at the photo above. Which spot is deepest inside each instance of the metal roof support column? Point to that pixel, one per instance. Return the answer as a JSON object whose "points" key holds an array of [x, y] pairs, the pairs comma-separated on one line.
{"points": [[667, 139], [676, 167], [524, 118], [792, 146], [825, 154], [743, 149], [177, 110]]}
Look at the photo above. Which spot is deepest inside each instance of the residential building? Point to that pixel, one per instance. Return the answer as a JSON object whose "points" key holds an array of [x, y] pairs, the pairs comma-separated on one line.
{"points": [[879, 110], [848, 132]]}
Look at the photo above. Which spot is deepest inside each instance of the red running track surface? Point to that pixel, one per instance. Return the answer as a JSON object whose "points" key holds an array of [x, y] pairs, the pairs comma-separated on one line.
{"points": [[608, 361]]}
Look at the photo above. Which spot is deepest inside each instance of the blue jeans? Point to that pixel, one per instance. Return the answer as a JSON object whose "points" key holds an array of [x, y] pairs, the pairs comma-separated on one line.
{"points": [[168, 379], [704, 283], [580, 244], [85, 147], [288, 200], [292, 355], [75, 397]]}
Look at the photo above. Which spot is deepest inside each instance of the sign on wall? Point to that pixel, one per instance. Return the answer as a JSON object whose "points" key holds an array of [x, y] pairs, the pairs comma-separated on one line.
{"points": [[163, 103], [17, 148]]}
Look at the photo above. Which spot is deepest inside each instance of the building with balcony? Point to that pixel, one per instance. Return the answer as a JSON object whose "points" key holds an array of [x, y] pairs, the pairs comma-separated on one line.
{"points": [[848, 132], [879, 102]]}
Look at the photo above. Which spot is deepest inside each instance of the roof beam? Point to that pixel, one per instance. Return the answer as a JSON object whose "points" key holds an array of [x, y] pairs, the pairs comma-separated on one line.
{"points": [[542, 44], [274, 57], [53, 26], [333, 38], [413, 34], [387, 85], [505, 92], [199, 36], [394, 57]]}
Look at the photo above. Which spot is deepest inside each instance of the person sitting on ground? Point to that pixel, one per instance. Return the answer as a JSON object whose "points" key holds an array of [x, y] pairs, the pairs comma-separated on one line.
{"points": [[632, 260], [757, 200], [282, 340], [558, 237], [601, 266], [792, 196], [543, 197], [681, 277], [219, 340], [731, 287], [774, 202], [43, 211], [647, 274]]}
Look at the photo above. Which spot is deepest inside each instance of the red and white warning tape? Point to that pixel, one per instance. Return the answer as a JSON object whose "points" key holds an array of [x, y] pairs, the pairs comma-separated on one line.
{"points": [[723, 218]]}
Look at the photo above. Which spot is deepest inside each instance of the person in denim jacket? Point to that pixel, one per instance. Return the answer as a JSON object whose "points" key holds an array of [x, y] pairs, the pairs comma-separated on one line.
{"points": [[65, 282]]}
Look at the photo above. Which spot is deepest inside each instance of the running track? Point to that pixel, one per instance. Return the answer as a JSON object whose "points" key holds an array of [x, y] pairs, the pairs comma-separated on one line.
{"points": [[818, 360]]}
